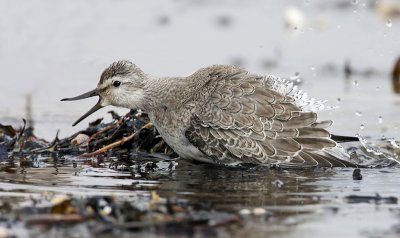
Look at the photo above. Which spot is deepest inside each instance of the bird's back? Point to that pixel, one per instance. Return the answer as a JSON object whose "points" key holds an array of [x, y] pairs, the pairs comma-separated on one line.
{"points": [[241, 117]]}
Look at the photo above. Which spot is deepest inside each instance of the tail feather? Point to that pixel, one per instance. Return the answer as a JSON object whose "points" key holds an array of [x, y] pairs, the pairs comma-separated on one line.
{"points": [[308, 159], [342, 139]]}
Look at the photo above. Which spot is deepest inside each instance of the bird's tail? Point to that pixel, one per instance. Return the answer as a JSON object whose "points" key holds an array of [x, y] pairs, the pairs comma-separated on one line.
{"points": [[342, 139], [313, 159]]}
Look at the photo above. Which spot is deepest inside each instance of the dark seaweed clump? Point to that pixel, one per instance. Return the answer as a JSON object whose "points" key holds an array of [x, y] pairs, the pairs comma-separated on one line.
{"points": [[125, 138]]}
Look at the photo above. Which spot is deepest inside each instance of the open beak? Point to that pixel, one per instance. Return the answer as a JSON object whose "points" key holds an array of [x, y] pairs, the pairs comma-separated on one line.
{"points": [[83, 96]]}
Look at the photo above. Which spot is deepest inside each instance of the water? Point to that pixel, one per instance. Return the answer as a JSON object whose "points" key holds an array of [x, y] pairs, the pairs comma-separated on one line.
{"points": [[277, 203], [50, 51]]}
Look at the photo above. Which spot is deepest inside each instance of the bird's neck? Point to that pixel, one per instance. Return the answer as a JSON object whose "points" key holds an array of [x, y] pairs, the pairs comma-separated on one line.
{"points": [[164, 93]]}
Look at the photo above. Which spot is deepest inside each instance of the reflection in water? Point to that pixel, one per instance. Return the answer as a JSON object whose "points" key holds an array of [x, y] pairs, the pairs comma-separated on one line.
{"points": [[233, 187], [284, 200]]}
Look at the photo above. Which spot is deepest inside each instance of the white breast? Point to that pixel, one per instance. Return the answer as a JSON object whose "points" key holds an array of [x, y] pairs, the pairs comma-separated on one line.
{"points": [[177, 140]]}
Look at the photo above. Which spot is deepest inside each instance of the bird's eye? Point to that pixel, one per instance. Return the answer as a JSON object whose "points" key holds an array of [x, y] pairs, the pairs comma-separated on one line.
{"points": [[116, 83]]}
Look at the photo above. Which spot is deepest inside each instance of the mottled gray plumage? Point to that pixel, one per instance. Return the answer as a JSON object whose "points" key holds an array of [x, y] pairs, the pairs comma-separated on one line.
{"points": [[122, 68], [223, 114]]}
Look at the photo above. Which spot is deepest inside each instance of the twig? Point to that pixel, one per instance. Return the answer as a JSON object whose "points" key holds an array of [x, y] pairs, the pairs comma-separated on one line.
{"points": [[107, 128], [101, 131], [117, 143]]}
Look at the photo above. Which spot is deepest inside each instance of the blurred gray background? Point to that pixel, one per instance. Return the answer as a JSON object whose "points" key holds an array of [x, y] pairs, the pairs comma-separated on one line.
{"points": [[55, 49]]}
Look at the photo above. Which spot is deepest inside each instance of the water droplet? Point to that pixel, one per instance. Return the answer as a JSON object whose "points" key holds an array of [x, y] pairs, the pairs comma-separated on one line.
{"points": [[312, 67], [354, 2], [380, 119], [363, 4], [384, 34], [389, 23], [355, 83], [338, 100], [362, 127], [359, 114], [377, 88], [383, 137]]}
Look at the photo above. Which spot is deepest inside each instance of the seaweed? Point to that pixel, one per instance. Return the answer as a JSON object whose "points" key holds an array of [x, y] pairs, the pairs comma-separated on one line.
{"points": [[126, 137]]}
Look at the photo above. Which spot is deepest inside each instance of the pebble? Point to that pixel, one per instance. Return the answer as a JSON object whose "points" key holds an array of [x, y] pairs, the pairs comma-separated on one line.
{"points": [[258, 211], [357, 174], [80, 140], [244, 212]]}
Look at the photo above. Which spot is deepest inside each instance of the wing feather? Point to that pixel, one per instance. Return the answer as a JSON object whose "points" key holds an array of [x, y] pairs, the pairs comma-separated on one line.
{"points": [[241, 117]]}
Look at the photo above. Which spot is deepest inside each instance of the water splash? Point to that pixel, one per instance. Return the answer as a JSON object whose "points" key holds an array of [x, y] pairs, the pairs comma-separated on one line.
{"points": [[375, 151], [394, 143], [302, 100]]}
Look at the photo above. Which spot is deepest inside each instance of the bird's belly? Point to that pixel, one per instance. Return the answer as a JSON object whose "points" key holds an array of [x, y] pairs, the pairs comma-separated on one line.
{"points": [[173, 134], [181, 145]]}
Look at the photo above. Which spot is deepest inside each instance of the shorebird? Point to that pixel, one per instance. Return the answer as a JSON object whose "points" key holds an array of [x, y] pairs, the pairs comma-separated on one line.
{"points": [[224, 115]]}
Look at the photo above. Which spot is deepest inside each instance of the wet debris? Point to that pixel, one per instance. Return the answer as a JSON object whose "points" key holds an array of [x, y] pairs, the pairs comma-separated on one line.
{"points": [[126, 137], [277, 183], [255, 214], [108, 214], [357, 174], [377, 199]]}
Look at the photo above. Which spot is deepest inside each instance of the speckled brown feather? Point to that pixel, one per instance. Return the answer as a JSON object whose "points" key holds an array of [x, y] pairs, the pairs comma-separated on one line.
{"points": [[238, 117]]}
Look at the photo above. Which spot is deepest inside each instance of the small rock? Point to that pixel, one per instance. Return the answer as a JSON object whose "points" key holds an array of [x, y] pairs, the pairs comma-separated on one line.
{"points": [[244, 212], [62, 205], [357, 174], [259, 211], [80, 140]]}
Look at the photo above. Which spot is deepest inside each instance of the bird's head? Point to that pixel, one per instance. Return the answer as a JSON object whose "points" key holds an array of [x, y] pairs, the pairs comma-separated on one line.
{"points": [[121, 85]]}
